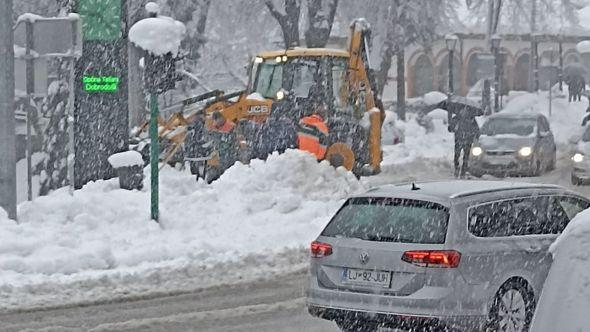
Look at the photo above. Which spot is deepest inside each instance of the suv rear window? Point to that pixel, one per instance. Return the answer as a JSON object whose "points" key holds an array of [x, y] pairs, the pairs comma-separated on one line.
{"points": [[390, 220]]}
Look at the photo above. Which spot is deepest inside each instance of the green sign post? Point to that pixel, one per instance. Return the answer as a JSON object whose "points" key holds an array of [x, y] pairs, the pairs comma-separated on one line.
{"points": [[154, 154], [159, 77]]}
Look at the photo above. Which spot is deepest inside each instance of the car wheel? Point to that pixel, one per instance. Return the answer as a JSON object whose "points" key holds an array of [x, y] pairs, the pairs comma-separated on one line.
{"points": [[476, 174], [575, 180], [536, 167], [360, 325], [513, 308]]}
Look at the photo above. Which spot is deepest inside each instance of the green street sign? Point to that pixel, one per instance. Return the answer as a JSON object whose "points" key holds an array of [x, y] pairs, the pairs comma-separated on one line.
{"points": [[100, 83], [101, 19]]}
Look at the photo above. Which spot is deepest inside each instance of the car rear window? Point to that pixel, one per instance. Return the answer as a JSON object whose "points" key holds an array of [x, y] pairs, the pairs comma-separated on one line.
{"points": [[390, 220]]}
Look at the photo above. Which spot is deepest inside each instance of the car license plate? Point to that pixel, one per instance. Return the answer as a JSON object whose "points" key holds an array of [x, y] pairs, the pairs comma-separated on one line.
{"points": [[366, 277]]}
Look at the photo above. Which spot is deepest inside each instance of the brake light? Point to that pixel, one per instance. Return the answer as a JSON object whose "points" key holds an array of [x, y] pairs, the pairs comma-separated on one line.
{"points": [[320, 249], [433, 258]]}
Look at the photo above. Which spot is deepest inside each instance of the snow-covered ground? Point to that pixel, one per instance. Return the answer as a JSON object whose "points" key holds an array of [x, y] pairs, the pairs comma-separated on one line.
{"points": [[104, 232], [565, 299], [254, 221]]}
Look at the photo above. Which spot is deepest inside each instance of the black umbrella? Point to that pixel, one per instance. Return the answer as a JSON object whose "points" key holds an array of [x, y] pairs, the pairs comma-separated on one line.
{"points": [[456, 104], [575, 68]]}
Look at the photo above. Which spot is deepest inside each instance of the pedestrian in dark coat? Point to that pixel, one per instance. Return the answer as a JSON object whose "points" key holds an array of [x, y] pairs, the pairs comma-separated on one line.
{"points": [[466, 130], [576, 85]]}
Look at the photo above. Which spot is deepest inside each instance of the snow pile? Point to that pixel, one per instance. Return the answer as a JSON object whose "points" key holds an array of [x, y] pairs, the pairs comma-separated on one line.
{"points": [[583, 46], [158, 35], [265, 209], [152, 8], [565, 299], [566, 117], [419, 144], [28, 17], [126, 159], [3, 216], [434, 97], [255, 96]]}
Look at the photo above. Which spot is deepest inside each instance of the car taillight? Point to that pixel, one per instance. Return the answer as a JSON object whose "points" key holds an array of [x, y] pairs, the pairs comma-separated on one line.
{"points": [[433, 258], [319, 249]]}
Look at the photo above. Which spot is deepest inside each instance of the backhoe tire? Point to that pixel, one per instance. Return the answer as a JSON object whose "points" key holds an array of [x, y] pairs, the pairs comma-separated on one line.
{"points": [[336, 160], [213, 173]]}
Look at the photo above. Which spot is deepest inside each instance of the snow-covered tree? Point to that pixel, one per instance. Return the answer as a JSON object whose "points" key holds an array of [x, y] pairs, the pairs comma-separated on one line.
{"points": [[53, 166], [411, 22], [516, 16]]}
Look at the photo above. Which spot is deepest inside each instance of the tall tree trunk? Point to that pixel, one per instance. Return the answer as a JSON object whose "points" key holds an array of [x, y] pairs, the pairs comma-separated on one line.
{"points": [[185, 13], [401, 84], [383, 72], [201, 26], [289, 21], [319, 24]]}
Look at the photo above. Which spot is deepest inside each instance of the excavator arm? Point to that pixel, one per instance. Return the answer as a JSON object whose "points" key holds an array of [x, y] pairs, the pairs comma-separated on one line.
{"points": [[361, 85]]}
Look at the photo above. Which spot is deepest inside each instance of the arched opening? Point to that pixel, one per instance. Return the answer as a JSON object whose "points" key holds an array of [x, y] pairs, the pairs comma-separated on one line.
{"points": [[474, 72], [422, 76], [443, 74], [548, 69], [521, 72], [571, 59]]}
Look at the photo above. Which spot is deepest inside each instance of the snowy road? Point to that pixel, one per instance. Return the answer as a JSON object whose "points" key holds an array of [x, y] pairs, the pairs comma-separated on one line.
{"points": [[275, 305]]}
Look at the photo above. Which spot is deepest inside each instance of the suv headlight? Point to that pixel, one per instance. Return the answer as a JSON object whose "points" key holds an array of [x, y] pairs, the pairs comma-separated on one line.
{"points": [[578, 158], [525, 151], [476, 151]]}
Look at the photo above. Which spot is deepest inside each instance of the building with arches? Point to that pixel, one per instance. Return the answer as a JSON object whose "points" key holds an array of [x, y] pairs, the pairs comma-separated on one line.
{"points": [[427, 69]]}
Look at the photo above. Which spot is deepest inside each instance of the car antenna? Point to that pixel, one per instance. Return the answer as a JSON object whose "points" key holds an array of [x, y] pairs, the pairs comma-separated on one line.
{"points": [[415, 187]]}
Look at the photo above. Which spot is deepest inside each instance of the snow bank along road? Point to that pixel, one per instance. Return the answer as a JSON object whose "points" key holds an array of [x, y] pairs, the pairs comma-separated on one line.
{"points": [[263, 305]]}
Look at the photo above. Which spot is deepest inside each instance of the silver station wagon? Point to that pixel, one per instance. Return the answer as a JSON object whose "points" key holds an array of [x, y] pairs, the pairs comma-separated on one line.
{"points": [[437, 256]]}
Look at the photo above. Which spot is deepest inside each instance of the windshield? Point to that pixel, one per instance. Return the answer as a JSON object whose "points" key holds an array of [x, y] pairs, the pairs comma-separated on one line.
{"points": [[509, 126], [305, 73], [390, 220], [269, 79], [300, 76]]}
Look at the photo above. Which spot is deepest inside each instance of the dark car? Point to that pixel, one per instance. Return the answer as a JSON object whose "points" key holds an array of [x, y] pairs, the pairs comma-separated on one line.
{"points": [[514, 144]]}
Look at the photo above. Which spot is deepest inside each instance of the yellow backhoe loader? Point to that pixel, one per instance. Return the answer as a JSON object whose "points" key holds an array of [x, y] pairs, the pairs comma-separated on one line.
{"points": [[279, 84]]}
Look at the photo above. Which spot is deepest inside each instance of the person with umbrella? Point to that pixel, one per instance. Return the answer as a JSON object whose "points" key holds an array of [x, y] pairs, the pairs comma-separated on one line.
{"points": [[462, 122]]}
